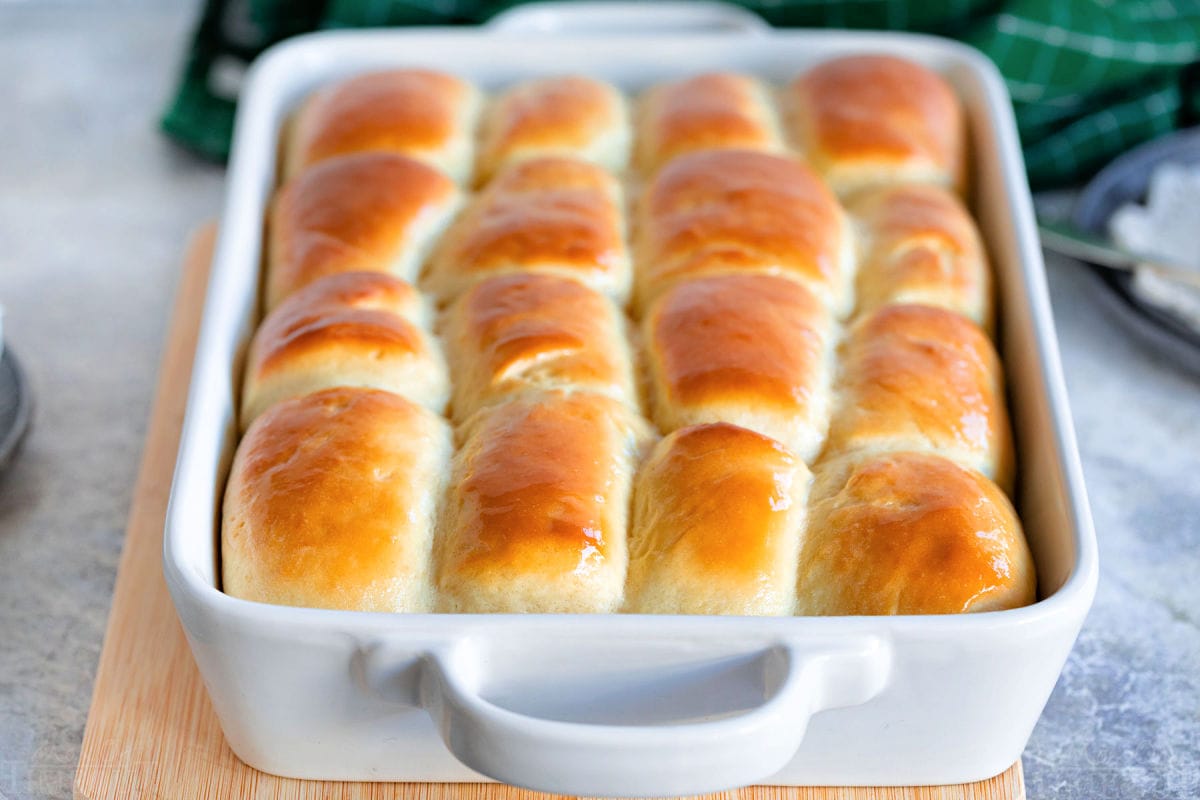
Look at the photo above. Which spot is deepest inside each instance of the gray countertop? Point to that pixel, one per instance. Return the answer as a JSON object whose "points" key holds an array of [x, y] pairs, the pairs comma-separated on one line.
{"points": [[94, 208]]}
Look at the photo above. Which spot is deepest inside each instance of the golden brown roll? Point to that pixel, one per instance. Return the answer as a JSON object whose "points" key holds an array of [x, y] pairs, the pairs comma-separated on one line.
{"points": [[737, 211], [872, 120], [429, 116], [331, 502], [536, 517], [754, 350], [910, 533], [924, 379], [920, 246], [376, 212], [715, 110], [352, 329], [562, 116], [718, 513], [558, 216], [527, 332]]}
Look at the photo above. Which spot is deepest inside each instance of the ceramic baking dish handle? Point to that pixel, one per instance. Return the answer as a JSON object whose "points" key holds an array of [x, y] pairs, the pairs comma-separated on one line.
{"points": [[626, 18], [697, 751]]}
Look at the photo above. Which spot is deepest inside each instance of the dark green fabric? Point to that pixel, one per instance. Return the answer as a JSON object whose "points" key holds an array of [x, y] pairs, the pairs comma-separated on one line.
{"points": [[1089, 78]]}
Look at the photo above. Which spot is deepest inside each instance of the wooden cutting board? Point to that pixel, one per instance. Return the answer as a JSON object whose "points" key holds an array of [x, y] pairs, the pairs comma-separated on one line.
{"points": [[151, 732]]}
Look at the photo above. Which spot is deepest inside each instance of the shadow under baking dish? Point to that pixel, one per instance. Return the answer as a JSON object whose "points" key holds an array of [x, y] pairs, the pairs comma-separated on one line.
{"points": [[631, 704]]}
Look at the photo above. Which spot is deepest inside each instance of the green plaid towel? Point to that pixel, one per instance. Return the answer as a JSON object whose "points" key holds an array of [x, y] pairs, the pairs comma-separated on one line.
{"points": [[1089, 78]]}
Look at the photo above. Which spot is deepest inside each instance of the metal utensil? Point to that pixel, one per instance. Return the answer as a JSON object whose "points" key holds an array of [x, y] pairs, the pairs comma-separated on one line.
{"points": [[1069, 241]]}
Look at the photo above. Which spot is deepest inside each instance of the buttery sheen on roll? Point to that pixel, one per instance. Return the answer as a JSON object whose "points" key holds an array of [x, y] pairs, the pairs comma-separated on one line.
{"points": [[529, 332], [923, 379], [351, 329], [560, 116], [920, 245], [427, 115], [718, 514], [717, 110], [374, 212], [754, 350], [720, 212], [910, 533], [331, 503], [536, 517], [558, 216], [872, 120]]}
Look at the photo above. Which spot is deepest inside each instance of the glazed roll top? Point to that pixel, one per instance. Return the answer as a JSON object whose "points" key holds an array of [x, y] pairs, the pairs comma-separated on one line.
{"points": [[528, 332], [375, 212], [718, 515], [427, 115], [719, 212], [910, 533], [873, 120], [754, 350], [331, 502], [562, 116], [536, 517], [551, 215], [924, 379], [718, 110], [920, 245], [351, 329]]}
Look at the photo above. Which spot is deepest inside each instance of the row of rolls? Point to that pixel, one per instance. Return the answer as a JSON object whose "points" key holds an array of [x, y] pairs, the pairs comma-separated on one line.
{"points": [[725, 350]]}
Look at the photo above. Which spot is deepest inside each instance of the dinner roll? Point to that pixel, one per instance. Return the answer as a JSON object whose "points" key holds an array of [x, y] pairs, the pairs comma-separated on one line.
{"points": [[527, 331], [377, 212], [427, 115], [536, 517], [352, 329], [924, 379], [553, 215], [754, 350], [738, 211], [873, 119], [331, 502], [910, 533], [715, 110], [564, 116], [920, 246], [718, 513]]}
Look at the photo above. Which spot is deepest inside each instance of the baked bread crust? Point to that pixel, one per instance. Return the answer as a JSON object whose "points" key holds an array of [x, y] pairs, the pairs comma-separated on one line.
{"points": [[331, 503]]}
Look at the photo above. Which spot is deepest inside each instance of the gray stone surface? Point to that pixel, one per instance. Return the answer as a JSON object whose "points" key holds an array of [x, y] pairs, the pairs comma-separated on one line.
{"points": [[94, 207], [1124, 720]]}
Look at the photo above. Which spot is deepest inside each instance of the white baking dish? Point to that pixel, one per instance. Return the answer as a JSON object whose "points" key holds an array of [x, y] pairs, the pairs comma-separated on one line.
{"points": [[623, 704]]}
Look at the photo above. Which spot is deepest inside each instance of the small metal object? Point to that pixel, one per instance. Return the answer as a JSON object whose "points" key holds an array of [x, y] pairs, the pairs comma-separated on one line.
{"points": [[1069, 241], [16, 406]]}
